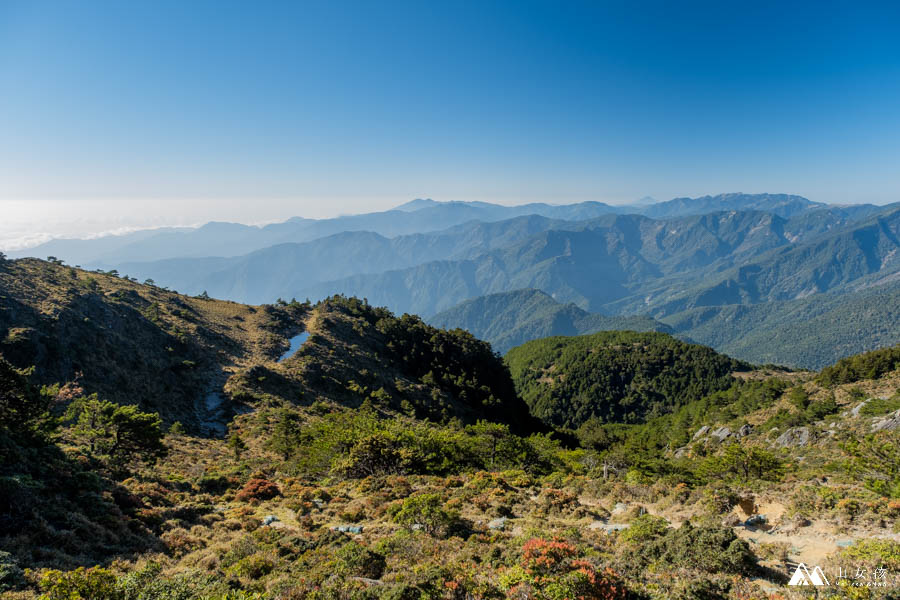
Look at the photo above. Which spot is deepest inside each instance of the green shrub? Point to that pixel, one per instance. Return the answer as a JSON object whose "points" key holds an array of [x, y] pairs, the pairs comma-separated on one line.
{"points": [[11, 576], [644, 528], [880, 406], [355, 560], [81, 584], [873, 553], [253, 566], [377, 454], [428, 511], [710, 549]]}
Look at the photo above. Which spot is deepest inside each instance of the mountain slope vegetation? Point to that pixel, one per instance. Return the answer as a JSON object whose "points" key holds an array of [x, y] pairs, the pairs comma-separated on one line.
{"points": [[199, 361], [388, 459], [807, 333]]}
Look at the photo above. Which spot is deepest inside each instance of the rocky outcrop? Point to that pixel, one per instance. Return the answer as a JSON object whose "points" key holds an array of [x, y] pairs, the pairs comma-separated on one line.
{"points": [[794, 437], [888, 423]]}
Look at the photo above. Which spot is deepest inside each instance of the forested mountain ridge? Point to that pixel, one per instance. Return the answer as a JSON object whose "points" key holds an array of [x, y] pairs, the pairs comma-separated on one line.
{"points": [[867, 251], [291, 269], [617, 377], [809, 332]]}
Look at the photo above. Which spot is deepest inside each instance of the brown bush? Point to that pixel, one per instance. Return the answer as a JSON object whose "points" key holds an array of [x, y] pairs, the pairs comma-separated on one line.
{"points": [[258, 489]]}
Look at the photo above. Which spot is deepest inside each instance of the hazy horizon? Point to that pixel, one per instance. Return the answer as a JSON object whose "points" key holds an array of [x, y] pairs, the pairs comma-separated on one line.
{"points": [[28, 225]]}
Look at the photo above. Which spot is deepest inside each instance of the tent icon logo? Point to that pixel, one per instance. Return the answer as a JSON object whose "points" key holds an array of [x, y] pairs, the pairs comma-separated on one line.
{"points": [[803, 576]]}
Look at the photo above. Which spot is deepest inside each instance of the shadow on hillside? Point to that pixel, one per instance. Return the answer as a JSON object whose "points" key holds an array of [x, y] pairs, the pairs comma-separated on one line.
{"points": [[58, 511]]}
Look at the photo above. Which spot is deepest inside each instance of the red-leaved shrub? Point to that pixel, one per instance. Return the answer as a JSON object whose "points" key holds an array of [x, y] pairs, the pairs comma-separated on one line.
{"points": [[258, 489]]}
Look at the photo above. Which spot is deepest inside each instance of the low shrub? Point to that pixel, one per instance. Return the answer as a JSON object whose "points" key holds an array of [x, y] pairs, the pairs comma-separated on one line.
{"points": [[428, 511], [355, 560], [11, 576], [710, 549], [81, 584], [645, 528], [258, 489]]}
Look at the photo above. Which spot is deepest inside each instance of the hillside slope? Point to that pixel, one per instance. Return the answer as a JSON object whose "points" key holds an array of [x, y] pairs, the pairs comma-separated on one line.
{"points": [[132, 343], [623, 377], [806, 333], [200, 361]]}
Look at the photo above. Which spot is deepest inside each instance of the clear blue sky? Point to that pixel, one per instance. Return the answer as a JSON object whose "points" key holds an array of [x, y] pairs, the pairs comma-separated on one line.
{"points": [[268, 109]]}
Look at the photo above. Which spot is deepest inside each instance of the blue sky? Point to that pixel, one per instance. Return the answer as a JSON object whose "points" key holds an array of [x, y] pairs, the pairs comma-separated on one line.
{"points": [[260, 110]]}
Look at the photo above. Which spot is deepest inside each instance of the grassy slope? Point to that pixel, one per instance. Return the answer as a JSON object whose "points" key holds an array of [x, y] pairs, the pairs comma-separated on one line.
{"points": [[131, 343]]}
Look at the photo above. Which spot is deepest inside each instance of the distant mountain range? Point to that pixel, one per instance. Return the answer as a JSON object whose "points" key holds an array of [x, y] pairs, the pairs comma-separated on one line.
{"points": [[629, 264], [732, 271], [418, 216], [509, 319]]}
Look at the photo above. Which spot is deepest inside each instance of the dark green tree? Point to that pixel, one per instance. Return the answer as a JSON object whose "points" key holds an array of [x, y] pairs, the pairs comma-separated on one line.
{"points": [[23, 409], [285, 433], [118, 433], [236, 444]]}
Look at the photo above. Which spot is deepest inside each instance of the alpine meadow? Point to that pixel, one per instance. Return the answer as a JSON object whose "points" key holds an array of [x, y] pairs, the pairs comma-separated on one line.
{"points": [[449, 301]]}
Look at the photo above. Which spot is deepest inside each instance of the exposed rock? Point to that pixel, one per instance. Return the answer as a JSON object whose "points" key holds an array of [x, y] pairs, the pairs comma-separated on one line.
{"points": [[857, 408], [681, 452], [888, 423], [745, 430], [349, 528], [795, 436], [701, 432], [498, 523], [619, 508], [608, 527], [269, 519], [721, 433], [756, 521]]}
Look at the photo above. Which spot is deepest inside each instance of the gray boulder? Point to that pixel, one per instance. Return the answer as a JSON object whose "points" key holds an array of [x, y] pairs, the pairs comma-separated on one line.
{"points": [[795, 436], [348, 528], [701, 432], [888, 423], [721, 433]]}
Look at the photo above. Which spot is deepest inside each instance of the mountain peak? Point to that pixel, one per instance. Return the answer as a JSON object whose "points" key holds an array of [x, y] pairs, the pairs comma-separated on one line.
{"points": [[417, 204]]}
